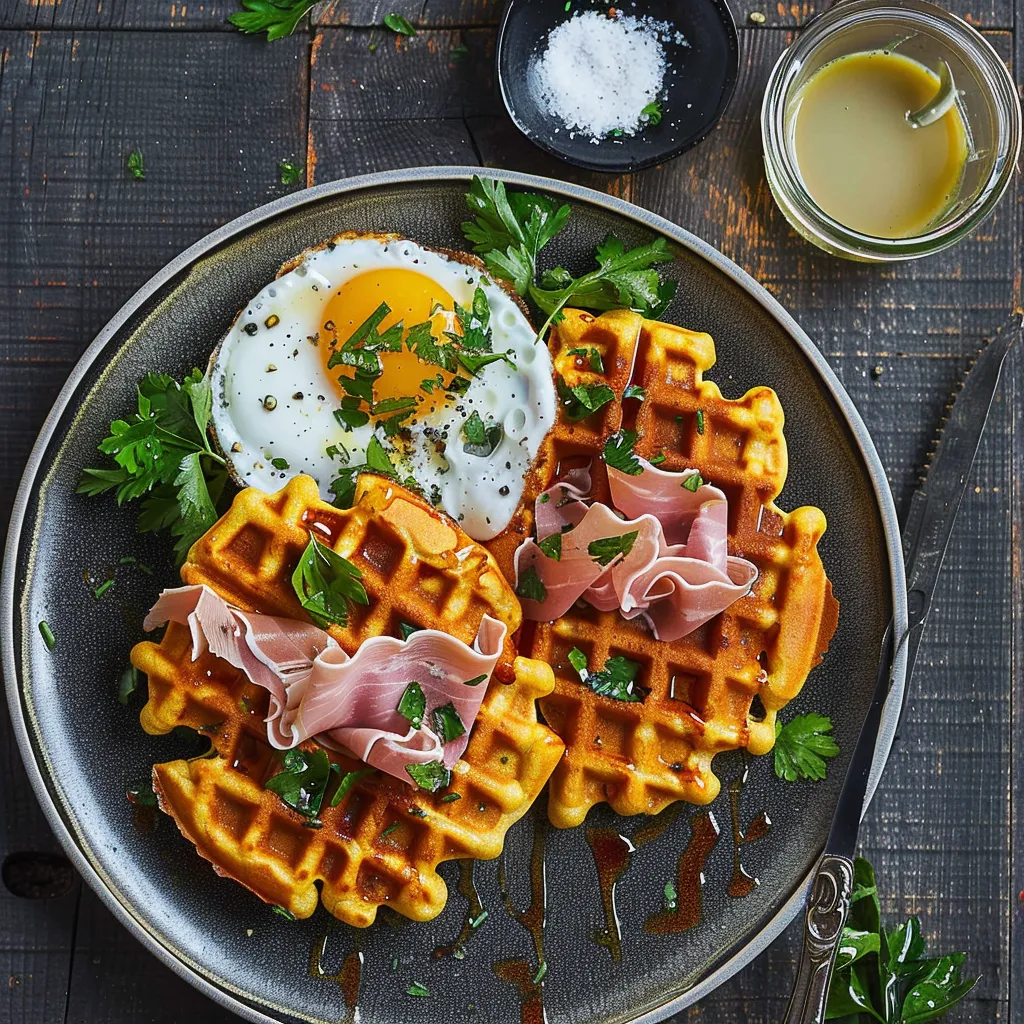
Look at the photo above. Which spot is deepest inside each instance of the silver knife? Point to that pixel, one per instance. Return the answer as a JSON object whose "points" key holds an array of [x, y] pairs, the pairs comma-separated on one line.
{"points": [[926, 534]]}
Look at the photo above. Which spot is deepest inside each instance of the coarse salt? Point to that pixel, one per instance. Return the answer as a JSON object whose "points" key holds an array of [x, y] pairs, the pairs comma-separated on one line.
{"points": [[598, 73]]}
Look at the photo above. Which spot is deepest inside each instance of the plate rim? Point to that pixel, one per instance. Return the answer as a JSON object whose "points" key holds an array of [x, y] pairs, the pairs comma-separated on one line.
{"points": [[220, 992]]}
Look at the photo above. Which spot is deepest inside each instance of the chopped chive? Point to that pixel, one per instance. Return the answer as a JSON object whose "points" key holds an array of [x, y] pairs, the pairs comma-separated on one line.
{"points": [[102, 588], [48, 638]]}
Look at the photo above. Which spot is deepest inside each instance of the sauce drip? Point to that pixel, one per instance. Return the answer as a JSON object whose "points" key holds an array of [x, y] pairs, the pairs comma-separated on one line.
{"points": [[704, 834], [474, 908], [346, 977], [612, 855], [528, 979], [743, 883]]}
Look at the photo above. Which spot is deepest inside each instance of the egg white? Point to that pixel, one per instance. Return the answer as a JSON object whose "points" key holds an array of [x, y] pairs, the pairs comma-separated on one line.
{"points": [[274, 400]]}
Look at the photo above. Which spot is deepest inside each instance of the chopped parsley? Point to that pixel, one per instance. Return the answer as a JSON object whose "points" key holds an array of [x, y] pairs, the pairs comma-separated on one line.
{"points": [[596, 362], [47, 634], [700, 421], [135, 166], [618, 452], [343, 486], [801, 746], [278, 18], [325, 583], [475, 681], [657, 460], [162, 455], [480, 439], [417, 988], [413, 705], [604, 550], [283, 912], [279, 463], [652, 112], [552, 546], [127, 684], [616, 680], [290, 173], [348, 780], [671, 896], [402, 26], [578, 401], [302, 780], [407, 629], [391, 828], [634, 391], [693, 482], [542, 972], [350, 416], [475, 922], [509, 230], [431, 776], [447, 722], [102, 589], [450, 798], [530, 587]]}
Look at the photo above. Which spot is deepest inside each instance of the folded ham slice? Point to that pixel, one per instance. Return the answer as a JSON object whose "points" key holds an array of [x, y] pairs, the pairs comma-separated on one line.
{"points": [[673, 567], [349, 704]]}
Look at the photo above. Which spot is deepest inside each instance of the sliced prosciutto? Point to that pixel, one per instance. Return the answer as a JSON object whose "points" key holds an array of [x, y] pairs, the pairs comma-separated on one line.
{"points": [[667, 561], [350, 704]]}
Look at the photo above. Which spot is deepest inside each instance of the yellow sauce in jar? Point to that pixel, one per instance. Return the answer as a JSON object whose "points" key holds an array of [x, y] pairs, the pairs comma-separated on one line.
{"points": [[861, 160]]}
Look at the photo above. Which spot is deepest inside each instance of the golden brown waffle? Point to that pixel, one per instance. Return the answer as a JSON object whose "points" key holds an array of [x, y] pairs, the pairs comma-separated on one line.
{"points": [[406, 552], [641, 757]]}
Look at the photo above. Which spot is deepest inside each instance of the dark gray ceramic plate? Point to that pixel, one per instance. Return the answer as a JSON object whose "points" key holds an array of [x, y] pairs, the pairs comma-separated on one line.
{"points": [[82, 748]]}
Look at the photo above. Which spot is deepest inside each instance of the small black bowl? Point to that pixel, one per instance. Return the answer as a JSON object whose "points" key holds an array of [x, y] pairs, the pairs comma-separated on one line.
{"points": [[699, 80]]}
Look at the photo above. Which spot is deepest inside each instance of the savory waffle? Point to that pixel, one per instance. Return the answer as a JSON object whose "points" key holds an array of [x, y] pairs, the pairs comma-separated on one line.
{"points": [[639, 757], [384, 840]]}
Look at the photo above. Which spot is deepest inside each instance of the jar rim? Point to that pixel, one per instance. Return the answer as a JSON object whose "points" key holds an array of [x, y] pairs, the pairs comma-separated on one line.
{"points": [[783, 174]]}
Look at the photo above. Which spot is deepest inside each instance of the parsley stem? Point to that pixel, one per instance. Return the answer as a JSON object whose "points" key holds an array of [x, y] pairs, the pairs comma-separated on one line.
{"points": [[578, 285]]}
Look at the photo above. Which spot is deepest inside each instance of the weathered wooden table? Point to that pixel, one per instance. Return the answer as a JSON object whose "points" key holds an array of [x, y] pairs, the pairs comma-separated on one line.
{"points": [[84, 82]]}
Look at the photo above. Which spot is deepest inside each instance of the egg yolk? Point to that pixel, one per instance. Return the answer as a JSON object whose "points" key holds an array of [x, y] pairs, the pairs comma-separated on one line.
{"points": [[411, 297]]}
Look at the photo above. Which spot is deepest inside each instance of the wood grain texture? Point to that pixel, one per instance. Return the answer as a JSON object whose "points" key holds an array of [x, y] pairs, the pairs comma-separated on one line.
{"points": [[214, 112]]}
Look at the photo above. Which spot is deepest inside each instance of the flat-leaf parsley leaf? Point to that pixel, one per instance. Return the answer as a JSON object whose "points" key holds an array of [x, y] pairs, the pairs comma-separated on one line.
{"points": [[278, 18], [801, 746], [302, 780], [325, 582], [616, 680]]}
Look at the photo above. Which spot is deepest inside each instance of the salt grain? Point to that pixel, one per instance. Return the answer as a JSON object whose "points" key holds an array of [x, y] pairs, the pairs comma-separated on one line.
{"points": [[598, 73]]}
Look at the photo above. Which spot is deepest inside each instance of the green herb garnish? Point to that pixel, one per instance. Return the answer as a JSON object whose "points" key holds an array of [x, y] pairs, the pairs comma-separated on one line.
{"points": [[657, 460], [279, 463], [407, 629], [398, 24], [475, 922], [290, 173], [579, 401], [509, 230], [447, 722], [141, 794], [450, 798], [348, 780], [343, 486], [652, 112], [693, 482], [325, 582], [286, 914], [417, 988], [700, 421], [391, 828], [883, 975], [431, 776], [47, 634], [302, 780], [596, 362], [480, 439], [552, 546], [475, 681], [671, 896], [543, 969], [604, 550], [127, 684], [801, 746], [618, 452], [278, 18], [530, 587], [413, 704], [616, 680], [135, 166], [163, 456], [634, 391]]}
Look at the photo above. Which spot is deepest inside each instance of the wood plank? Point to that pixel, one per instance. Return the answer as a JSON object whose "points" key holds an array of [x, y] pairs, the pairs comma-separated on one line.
{"points": [[117, 14], [80, 236]]}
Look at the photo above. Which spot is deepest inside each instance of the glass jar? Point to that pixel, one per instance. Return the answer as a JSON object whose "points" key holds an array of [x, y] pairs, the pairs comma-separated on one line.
{"points": [[988, 105]]}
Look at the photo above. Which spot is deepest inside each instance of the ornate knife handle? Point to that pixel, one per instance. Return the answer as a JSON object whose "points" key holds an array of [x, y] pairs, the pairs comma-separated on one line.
{"points": [[827, 909]]}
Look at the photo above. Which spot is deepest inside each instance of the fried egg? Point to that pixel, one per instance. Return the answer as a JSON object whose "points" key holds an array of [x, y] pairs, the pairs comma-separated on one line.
{"points": [[460, 408]]}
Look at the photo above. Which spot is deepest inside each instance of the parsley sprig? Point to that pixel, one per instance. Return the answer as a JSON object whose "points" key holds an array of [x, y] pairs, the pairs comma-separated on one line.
{"points": [[162, 454], [278, 18], [509, 230], [326, 582], [801, 746], [883, 975]]}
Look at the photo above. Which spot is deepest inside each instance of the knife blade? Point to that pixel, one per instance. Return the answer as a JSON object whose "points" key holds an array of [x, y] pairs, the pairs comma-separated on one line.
{"points": [[926, 534]]}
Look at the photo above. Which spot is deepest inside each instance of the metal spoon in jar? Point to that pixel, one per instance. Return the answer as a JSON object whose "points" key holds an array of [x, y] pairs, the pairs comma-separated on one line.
{"points": [[940, 104]]}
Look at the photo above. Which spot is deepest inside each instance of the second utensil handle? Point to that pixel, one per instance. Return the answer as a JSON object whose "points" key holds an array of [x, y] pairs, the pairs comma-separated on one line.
{"points": [[827, 908]]}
